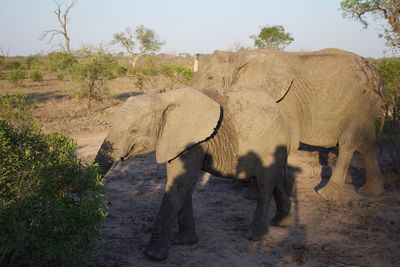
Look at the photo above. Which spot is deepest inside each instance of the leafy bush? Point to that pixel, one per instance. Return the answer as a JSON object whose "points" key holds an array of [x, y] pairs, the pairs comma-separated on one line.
{"points": [[61, 63], [93, 72], [121, 70], [60, 75], [16, 111], [13, 65], [17, 76], [31, 62], [176, 71], [36, 76], [170, 70], [51, 205], [389, 71]]}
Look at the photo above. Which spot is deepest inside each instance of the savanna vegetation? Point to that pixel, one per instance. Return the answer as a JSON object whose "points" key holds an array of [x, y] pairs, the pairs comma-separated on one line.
{"points": [[51, 201], [51, 204]]}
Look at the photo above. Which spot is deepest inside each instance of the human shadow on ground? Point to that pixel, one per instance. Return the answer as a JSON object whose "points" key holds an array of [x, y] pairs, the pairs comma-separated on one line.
{"points": [[296, 237], [279, 186]]}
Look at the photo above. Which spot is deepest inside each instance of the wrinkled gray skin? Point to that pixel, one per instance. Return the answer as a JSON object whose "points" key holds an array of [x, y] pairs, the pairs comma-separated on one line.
{"points": [[237, 135], [329, 97]]}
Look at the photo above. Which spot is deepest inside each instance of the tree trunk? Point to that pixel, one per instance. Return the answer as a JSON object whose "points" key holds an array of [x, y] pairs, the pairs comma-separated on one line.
{"points": [[133, 59], [67, 43]]}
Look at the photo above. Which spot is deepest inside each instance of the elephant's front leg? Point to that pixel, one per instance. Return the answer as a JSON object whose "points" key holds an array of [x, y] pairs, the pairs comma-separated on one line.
{"points": [[187, 232], [182, 174]]}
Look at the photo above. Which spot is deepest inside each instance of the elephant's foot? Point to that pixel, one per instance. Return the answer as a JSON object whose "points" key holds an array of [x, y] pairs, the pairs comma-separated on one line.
{"points": [[283, 220], [256, 233], [330, 192], [186, 238], [156, 251], [371, 189]]}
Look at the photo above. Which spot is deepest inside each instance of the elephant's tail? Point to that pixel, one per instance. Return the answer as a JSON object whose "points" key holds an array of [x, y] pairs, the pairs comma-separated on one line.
{"points": [[382, 117]]}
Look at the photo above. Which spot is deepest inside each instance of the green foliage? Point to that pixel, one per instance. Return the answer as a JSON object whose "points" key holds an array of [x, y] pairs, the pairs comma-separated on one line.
{"points": [[386, 9], [16, 111], [146, 39], [170, 70], [51, 205], [389, 72], [93, 72], [13, 65], [61, 62], [17, 76], [176, 71], [36, 76], [272, 37], [126, 39], [32, 62]]}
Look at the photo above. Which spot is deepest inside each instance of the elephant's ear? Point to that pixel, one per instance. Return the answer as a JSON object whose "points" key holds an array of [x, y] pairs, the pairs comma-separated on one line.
{"points": [[191, 117], [267, 69]]}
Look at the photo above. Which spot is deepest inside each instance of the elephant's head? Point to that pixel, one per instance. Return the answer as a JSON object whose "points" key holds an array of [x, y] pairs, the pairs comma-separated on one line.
{"points": [[167, 123], [265, 69]]}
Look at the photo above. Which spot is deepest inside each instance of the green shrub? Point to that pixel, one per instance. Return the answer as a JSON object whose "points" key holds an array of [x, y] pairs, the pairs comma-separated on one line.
{"points": [[51, 205], [17, 76], [60, 75], [177, 71], [61, 62], [389, 72], [170, 70], [93, 72], [32, 62], [36, 76], [13, 65], [121, 70], [16, 111]]}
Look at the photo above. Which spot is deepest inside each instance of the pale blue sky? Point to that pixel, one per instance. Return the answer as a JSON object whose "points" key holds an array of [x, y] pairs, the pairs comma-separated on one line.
{"points": [[200, 26]]}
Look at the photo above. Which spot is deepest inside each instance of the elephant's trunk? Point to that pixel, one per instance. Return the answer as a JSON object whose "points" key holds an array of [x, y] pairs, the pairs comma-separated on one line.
{"points": [[104, 157]]}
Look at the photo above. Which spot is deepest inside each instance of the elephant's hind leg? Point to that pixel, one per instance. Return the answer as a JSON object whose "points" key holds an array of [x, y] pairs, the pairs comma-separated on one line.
{"points": [[332, 191], [373, 185]]}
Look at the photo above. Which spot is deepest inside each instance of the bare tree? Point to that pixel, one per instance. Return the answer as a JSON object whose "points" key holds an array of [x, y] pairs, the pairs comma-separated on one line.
{"points": [[63, 20]]}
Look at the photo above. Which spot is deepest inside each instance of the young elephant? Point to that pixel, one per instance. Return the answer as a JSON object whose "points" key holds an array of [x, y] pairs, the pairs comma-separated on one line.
{"points": [[237, 135]]}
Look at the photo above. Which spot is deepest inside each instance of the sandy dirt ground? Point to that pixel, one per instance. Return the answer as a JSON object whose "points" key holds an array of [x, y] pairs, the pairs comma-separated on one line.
{"points": [[357, 231]]}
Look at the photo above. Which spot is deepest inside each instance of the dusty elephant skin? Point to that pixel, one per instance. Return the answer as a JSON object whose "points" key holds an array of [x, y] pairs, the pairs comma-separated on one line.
{"points": [[329, 97], [239, 135]]}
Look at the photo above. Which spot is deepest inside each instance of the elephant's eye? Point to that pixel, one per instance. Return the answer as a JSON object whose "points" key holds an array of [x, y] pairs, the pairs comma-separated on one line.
{"points": [[122, 158]]}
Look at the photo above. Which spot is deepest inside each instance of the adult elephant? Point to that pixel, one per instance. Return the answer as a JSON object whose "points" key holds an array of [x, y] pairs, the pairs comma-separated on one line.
{"points": [[329, 97], [237, 135]]}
